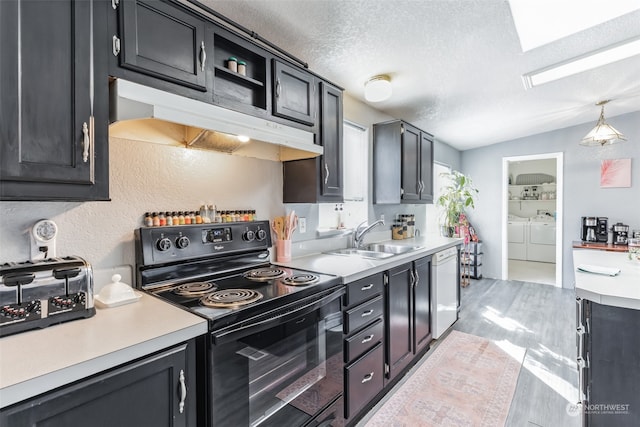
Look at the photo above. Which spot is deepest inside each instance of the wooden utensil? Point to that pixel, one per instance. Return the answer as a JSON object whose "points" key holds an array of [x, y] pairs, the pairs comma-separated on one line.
{"points": [[278, 227]]}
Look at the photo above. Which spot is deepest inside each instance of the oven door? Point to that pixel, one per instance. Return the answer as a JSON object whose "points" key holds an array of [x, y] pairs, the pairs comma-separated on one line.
{"points": [[284, 367]]}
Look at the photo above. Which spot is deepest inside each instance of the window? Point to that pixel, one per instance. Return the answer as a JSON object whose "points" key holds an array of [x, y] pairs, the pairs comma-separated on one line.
{"points": [[434, 212], [355, 162]]}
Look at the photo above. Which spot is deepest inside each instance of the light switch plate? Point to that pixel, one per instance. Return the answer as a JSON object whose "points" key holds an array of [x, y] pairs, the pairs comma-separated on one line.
{"points": [[302, 225]]}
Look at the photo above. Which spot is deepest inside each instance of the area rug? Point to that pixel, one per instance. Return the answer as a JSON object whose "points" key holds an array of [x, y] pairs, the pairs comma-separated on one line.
{"points": [[466, 381]]}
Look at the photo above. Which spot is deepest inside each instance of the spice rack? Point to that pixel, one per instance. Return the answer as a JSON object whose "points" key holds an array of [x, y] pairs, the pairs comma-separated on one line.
{"points": [[205, 215]]}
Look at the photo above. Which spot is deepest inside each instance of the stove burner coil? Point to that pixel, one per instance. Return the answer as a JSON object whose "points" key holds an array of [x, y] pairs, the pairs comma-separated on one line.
{"points": [[264, 274], [301, 279], [231, 298], [194, 289]]}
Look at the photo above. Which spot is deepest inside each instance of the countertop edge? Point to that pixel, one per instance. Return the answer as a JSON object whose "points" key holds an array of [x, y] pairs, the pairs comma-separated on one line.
{"points": [[603, 289], [370, 266], [18, 392]]}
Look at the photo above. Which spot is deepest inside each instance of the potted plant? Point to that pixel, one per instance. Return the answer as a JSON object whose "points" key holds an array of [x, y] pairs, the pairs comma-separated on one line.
{"points": [[456, 196]]}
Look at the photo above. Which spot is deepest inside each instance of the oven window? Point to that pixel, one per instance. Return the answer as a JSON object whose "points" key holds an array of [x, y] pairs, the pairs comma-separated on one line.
{"points": [[284, 375]]}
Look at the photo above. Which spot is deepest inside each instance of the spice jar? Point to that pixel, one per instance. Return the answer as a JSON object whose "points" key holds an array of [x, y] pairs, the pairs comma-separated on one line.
{"points": [[242, 68], [232, 64]]}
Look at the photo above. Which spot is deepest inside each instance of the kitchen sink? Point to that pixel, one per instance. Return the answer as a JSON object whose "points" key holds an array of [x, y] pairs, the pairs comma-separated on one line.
{"points": [[392, 249], [361, 253], [376, 251]]}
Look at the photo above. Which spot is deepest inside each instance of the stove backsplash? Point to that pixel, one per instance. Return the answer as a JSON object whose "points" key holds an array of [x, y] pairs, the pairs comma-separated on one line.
{"points": [[144, 177]]}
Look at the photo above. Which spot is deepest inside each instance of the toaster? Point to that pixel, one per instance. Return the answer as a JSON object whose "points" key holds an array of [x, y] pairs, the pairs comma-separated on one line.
{"points": [[38, 294]]}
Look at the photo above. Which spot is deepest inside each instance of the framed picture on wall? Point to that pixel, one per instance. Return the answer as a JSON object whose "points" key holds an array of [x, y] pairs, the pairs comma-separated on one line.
{"points": [[615, 173]]}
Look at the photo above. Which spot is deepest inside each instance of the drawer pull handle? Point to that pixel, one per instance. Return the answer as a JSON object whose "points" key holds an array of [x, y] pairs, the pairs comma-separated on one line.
{"points": [[367, 313], [367, 287], [183, 391], [367, 378], [367, 339]]}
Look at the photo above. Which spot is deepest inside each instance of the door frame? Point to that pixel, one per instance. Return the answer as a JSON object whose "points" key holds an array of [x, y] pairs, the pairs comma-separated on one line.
{"points": [[559, 157]]}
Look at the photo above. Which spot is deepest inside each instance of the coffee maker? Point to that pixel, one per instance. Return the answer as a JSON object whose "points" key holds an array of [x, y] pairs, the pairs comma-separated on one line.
{"points": [[589, 228], [620, 233], [594, 229], [602, 232]]}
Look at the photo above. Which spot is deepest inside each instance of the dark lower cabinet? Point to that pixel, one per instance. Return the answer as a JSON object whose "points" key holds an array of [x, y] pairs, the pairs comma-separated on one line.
{"points": [[399, 318], [53, 100], [608, 364], [408, 315], [422, 304], [155, 391], [363, 324]]}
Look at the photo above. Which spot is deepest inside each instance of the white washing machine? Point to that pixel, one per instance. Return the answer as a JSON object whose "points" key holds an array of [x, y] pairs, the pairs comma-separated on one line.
{"points": [[542, 241], [517, 237]]}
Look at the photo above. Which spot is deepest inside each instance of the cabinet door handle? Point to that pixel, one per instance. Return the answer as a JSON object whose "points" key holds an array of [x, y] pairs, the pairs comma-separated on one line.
{"points": [[367, 313], [413, 278], [86, 142], [367, 378], [183, 391], [417, 278], [367, 287], [278, 88], [326, 169], [367, 338], [203, 56]]}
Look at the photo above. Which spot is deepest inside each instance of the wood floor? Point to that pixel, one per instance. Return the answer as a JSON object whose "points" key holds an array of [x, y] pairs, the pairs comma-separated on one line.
{"points": [[540, 319]]}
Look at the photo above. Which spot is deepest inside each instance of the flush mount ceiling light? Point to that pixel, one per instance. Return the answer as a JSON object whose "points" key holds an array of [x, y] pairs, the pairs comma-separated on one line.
{"points": [[377, 88], [582, 63], [603, 133]]}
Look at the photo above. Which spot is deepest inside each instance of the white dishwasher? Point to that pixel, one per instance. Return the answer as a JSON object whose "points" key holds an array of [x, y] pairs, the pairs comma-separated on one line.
{"points": [[444, 292]]}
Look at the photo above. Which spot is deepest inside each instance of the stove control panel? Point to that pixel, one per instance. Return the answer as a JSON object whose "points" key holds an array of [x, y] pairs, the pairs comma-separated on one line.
{"points": [[155, 245]]}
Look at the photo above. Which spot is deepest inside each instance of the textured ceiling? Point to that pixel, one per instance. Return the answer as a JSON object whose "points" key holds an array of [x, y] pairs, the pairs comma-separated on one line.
{"points": [[455, 65]]}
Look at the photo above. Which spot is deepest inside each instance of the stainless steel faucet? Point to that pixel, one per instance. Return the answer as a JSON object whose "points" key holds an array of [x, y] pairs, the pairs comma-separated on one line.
{"points": [[361, 230]]}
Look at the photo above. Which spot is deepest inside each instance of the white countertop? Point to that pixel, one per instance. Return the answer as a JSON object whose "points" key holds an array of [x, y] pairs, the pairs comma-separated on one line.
{"points": [[352, 268], [622, 290], [37, 361]]}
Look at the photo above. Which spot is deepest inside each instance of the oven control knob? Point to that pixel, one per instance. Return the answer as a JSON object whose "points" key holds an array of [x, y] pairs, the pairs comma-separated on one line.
{"points": [[248, 236], [261, 235], [163, 244], [182, 242]]}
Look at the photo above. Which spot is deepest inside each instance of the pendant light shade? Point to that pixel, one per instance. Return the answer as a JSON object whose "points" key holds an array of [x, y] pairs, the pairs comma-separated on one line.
{"points": [[603, 133], [377, 88]]}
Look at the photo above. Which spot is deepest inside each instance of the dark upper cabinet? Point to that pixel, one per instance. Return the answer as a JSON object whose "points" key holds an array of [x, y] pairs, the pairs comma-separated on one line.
{"points": [[162, 39], [53, 101], [331, 140], [320, 179], [402, 164], [159, 390], [410, 141], [294, 93], [426, 167]]}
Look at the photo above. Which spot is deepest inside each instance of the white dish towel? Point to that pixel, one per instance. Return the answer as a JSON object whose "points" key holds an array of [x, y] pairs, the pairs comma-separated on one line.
{"points": [[596, 269]]}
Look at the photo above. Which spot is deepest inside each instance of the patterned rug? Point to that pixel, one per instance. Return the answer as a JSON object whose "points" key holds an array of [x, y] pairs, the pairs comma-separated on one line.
{"points": [[466, 381]]}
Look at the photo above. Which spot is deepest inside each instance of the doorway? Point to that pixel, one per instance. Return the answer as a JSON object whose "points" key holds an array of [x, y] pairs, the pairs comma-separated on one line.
{"points": [[532, 195]]}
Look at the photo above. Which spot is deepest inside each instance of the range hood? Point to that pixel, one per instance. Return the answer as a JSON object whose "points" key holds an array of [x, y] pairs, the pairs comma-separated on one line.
{"points": [[142, 113]]}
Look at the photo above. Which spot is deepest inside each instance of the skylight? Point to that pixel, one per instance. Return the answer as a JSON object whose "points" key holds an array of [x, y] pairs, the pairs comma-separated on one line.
{"points": [[543, 21]]}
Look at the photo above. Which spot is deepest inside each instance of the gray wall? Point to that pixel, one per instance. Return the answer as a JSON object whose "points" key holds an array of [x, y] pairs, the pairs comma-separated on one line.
{"points": [[582, 193], [447, 155]]}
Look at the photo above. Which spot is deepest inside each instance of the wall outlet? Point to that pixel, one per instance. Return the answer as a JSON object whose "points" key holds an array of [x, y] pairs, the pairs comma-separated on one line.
{"points": [[382, 217], [302, 225]]}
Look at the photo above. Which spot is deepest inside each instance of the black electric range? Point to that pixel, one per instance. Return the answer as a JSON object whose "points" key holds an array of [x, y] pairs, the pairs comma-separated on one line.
{"points": [[220, 271]]}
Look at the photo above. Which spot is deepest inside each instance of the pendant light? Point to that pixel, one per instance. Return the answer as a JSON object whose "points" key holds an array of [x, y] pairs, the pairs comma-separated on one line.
{"points": [[377, 88], [603, 133]]}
